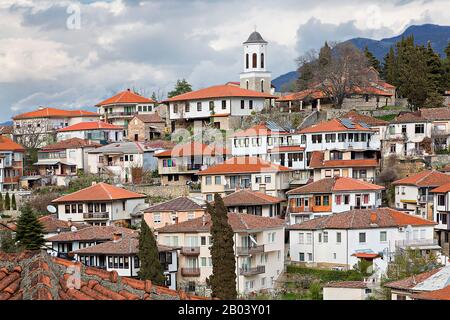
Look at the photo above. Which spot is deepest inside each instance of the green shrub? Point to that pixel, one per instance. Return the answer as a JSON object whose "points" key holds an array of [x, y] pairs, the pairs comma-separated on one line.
{"points": [[327, 275]]}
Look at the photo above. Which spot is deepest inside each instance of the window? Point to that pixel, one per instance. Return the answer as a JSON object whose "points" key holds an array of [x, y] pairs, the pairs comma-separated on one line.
{"points": [[175, 108], [242, 104], [208, 180], [250, 104], [326, 200], [347, 199], [338, 237], [362, 237], [209, 197], [217, 180], [246, 61], [383, 236], [325, 237], [254, 60], [301, 256], [211, 106], [320, 238], [67, 208], [338, 199], [393, 148], [318, 200], [334, 256], [341, 137], [199, 106], [327, 173], [258, 179], [203, 241], [419, 128], [301, 238], [330, 137], [316, 138], [203, 261], [262, 60], [441, 200], [224, 104], [267, 179], [262, 85], [404, 128], [310, 257], [187, 107], [366, 199], [308, 238]]}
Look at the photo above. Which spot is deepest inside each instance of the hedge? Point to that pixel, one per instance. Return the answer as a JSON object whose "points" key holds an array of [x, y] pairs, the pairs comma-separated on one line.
{"points": [[327, 275]]}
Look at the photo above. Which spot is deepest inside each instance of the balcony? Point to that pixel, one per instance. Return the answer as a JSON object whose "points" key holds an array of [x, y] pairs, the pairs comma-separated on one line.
{"points": [[119, 114], [190, 251], [417, 243], [248, 272], [245, 251], [190, 272], [232, 187], [395, 136], [96, 215], [425, 198]]}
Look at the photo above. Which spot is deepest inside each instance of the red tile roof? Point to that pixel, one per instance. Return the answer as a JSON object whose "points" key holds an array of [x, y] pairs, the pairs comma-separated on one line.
{"points": [[408, 117], [52, 224], [425, 178], [334, 125], [436, 113], [6, 144], [363, 219], [357, 117], [330, 185], [126, 97], [177, 204], [55, 113], [193, 149], [220, 91], [239, 222], [99, 192], [258, 130], [93, 125], [250, 198], [160, 144], [301, 95], [318, 162], [347, 284], [92, 233], [442, 189], [150, 118], [73, 143], [365, 255], [411, 282], [441, 294], [286, 149], [243, 165], [37, 276]]}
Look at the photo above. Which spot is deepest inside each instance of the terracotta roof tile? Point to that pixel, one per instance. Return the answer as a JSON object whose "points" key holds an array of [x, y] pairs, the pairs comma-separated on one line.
{"points": [[99, 192], [258, 130], [150, 118], [435, 113], [409, 117], [220, 91], [126, 96], [73, 143], [193, 149], [52, 224], [177, 204], [330, 185], [160, 144], [347, 284], [363, 219], [243, 165], [249, 197], [317, 161], [426, 178], [333, 125], [301, 95], [102, 233], [286, 149], [441, 294], [411, 282], [357, 117], [6, 144], [92, 125], [55, 113], [442, 189]]}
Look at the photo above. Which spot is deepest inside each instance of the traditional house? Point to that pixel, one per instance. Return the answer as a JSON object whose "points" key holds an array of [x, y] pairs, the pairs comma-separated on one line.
{"points": [[341, 240], [99, 204], [331, 195], [413, 194], [60, 162], [350, 290], [174, 211], [11, 164], [98, 132], [38, 128], [253, 202], [259, 250], [122, 107], [441, 215], [244, 173], [145, 127], [180, 164]]}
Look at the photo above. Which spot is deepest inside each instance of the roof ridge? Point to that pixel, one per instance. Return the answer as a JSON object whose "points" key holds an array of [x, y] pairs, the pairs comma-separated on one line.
{"points": [[102, 184]]}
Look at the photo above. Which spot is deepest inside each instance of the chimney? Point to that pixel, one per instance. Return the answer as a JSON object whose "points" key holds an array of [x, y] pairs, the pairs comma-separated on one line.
{"points": [[262, 188], [117, 236], [176, 220], [69, 222], [373, 218], [94, 183], [129, 90]]}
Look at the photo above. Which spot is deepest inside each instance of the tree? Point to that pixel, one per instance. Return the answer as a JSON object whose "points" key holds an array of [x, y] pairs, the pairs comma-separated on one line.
{"points": [[388, 66], [7, 243], [182, 86], [325, 55], [29, 232], [151, 268], [315, 291], [373, 61], [154, 98], [410, 262], [7, 202], [1, 202], [13, 202], [306, 69], [223, 278]]}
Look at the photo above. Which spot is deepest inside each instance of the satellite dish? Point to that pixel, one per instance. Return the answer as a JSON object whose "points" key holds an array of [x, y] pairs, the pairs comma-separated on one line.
{"points": [[51, 209]]}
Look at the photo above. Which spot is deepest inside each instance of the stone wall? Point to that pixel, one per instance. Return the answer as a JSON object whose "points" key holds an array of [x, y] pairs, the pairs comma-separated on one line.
{"points": [[160, 191], [336, 113], [440, 160]]}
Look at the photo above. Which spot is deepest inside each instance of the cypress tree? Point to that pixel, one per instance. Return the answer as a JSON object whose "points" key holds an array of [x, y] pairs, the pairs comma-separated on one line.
{"points": [[435, 70], [373, 61], [29, 232], [325, 55], [1, 202], [13, 202], [7, 243], [389, 66], [223, 278], [150, 265], [7, 202]]}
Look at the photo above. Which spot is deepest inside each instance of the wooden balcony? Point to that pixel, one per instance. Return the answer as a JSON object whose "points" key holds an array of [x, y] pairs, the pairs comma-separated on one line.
{"points": [[96, 215], [190, 251], [245, 251], [190, 272], [248, 272]]}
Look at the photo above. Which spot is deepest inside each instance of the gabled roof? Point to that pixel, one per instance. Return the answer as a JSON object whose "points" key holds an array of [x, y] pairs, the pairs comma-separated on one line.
{"points": [[317, 161], [441, 294], [37, 276], [258, 130], [220, 91], [55, 113], [93, 125], [177, 204], [347, 284], [126, 97], [149, 118], [193, 149], [243, 165], [128, 147], [371, 121], [442, 189], [336, 184], [333, 125], [426, 178], [301, 95], [92, 233], [160, 144], [239, 222], [250, 198], [6, 144], [436, 113], [409, 117], [73, 143], [410, 282], [52, 224], [100, 192], [363, 219]]}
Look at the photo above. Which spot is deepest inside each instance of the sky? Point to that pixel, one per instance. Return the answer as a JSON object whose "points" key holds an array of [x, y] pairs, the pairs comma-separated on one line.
{"points": [[73, 54]]}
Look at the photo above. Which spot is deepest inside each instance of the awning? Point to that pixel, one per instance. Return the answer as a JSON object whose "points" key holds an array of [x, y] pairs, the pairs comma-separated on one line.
{"points": [[426, 247], [31, 178], [409, 201], [46, 163], [364, 255]]}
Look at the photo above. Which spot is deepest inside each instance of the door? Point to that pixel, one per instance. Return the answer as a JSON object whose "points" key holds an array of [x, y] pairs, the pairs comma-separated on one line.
{"points": [[358, 201], [136, 137]]}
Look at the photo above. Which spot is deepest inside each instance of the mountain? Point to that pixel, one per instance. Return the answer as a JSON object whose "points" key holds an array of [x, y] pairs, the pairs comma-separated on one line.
{"points": [[439, 36], [7, 123]]}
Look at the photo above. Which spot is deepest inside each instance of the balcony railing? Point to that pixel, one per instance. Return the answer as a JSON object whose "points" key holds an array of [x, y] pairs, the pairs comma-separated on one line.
{"points": [[416, 243], [241, 186], [246, 271], [425, 198], [243, 251], [190, 251], [96, 215], [190, 272]]}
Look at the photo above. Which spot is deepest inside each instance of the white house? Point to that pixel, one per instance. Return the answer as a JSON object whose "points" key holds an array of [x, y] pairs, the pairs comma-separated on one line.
{"points": [[98, 131], [331, 195], [253, 202], [258, 245], [350, 290], [441, 215], [11, 164], [99, 204], [341, 240], [413, 194]]}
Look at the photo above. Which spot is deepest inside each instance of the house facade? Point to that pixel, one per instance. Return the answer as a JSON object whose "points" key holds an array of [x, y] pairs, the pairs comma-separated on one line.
{"points": [[145, 127], [11, 164], [254, 202], [259, 250], [100, 204], [341, 240], [441, 215], [98, 132]]}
